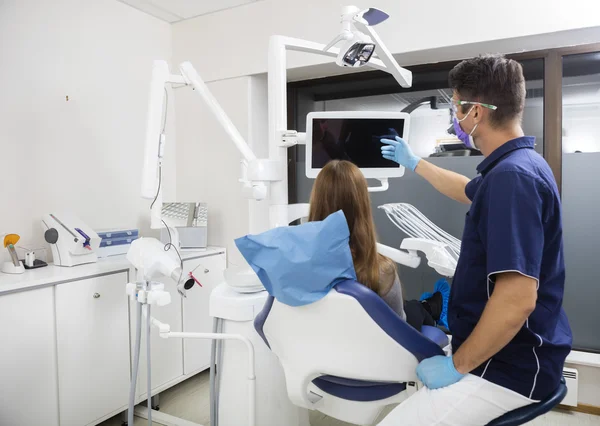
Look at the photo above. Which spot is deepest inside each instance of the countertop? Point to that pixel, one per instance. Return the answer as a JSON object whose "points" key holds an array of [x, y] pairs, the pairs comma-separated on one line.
{"points": [[52, 275]]}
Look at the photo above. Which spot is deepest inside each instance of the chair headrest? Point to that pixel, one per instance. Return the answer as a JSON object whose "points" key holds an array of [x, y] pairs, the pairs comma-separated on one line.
{"points": [[300, 264]]}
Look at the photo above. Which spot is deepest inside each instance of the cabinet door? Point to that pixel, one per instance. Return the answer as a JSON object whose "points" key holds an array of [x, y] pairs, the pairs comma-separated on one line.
{"points": [[93, 348], [195, 310], [167, 354], [28, 389]]}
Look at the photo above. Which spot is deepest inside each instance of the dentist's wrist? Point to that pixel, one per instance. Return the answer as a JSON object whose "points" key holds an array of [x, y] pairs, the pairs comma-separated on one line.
{"points": [[413, 162], [461, 365]]}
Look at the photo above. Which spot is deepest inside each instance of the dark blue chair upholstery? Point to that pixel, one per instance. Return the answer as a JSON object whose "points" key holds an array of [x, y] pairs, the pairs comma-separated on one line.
{"points": [[525, 414], [420, 345]]}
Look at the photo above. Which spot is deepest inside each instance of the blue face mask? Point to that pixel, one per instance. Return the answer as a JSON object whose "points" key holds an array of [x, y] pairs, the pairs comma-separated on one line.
{"points": [[464, 137]]}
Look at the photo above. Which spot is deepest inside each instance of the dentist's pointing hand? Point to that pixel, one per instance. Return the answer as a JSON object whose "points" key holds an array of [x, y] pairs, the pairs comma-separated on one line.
{"points": [[398, 150]]}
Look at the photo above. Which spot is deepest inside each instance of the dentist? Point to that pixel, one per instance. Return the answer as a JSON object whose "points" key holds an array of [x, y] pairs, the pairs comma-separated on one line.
{"points": [[510, 335]]}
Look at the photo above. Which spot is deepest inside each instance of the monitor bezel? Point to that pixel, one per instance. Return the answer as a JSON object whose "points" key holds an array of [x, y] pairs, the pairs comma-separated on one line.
{"points": [[369, 173]]}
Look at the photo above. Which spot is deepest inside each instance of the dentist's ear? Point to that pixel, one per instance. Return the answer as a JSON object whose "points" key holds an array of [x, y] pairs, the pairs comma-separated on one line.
{"points": [[477, 114]]}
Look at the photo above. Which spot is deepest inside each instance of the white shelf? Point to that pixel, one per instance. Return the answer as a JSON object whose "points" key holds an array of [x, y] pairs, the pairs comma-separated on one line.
{"points": [[583, 358], [52, 275]]}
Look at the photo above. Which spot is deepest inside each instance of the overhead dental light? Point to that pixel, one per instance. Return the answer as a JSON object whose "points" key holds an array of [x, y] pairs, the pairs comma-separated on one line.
{"points": [[360, 42]]}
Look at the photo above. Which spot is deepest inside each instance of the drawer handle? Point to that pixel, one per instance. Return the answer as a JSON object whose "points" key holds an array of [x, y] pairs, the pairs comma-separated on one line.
{"points": [[96, 295], [206, 271]]}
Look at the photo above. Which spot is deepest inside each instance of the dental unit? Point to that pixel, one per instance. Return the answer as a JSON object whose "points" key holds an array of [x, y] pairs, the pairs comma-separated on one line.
{"points": [[262, 179]]}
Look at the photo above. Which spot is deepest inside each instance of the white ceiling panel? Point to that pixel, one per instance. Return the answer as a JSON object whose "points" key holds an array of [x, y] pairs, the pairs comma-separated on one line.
{"points": [[179, 10]]}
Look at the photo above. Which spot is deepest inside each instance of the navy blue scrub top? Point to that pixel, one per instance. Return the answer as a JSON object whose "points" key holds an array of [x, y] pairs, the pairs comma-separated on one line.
{"points": [[514, 224]]}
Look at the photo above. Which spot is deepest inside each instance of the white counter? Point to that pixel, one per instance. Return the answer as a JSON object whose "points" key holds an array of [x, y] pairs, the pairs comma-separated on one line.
{"points": [[52, 275]]}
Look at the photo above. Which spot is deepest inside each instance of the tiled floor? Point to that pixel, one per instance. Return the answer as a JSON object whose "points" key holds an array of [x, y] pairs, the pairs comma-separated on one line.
{"points": [[189, 400]]}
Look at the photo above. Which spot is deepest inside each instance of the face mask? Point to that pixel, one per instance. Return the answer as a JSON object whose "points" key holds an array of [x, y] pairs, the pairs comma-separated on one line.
{"points": [[465, 138]]}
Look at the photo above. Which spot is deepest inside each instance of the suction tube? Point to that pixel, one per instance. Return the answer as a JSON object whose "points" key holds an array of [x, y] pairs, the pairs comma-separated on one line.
{"points": [[148, 365], [136, 362]]}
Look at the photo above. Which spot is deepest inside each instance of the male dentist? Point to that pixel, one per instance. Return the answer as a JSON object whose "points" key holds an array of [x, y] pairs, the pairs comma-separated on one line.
{"points": [[510, 335]]}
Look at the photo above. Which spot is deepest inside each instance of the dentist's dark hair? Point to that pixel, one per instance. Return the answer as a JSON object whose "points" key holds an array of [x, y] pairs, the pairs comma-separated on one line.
{"points": [[491, 79]]}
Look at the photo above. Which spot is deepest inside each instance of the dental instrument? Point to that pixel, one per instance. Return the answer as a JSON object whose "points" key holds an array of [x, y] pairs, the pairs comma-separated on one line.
{"points": [[15, 266], [71, 240], [441, 249]]}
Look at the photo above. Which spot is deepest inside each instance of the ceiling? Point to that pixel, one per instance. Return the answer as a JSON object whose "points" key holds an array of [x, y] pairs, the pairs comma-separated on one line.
{"points": [[178, 10]]}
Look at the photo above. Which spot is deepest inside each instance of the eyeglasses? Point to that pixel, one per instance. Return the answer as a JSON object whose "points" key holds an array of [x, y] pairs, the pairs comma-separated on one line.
{"points": [[455, 103]]}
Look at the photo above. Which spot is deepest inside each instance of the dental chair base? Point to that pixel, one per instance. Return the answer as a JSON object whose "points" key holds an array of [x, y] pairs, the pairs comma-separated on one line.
{"points": [[363, 413], [236, 313]]}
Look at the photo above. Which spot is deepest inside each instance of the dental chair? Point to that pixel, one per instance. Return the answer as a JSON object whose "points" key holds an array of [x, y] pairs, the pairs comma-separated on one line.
{"points": [[348, 355]]}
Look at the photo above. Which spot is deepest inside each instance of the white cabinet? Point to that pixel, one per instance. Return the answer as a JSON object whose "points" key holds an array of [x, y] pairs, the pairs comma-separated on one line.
{"points": [[93, 348], [28, 385], [65, 355], [209, 271]]}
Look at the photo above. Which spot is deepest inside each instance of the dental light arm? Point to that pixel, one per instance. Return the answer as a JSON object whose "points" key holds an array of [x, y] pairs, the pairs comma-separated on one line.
{"points": [[254, 172], [402, 75], [192, 78]]}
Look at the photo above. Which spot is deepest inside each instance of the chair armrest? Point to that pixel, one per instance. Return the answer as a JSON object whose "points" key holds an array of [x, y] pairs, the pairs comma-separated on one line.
{"points": [[436, 335]]}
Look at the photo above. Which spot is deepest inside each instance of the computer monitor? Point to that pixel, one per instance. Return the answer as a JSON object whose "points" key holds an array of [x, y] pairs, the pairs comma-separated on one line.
{"points": [[354, 136]]}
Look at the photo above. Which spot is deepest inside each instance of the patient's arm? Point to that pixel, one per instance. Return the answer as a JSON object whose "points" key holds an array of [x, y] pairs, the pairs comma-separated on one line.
{"points": [[511, 303], [393, 296]]}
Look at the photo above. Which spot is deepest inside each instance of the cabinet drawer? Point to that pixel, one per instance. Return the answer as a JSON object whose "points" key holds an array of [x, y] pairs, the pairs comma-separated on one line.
{"points": [[28, 389], [92, 325]]}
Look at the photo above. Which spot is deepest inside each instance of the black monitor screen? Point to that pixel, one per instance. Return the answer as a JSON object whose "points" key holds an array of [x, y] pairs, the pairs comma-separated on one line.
{"points": [[354, 139]]}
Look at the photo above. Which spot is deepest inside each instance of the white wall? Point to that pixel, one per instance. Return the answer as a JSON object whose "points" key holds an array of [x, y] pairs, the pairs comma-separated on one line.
{"points": [[234, 42], [208, 163], [84, 155]]}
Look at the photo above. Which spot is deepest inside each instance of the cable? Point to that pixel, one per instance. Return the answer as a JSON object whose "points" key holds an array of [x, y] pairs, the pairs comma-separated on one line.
{"points": [[166, 109], [162, 132], [136, 362], [159, 185], [170, 245]]}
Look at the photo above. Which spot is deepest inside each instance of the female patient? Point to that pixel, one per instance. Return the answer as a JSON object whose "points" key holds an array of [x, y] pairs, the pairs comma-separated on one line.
{"points": [[341, 186]]}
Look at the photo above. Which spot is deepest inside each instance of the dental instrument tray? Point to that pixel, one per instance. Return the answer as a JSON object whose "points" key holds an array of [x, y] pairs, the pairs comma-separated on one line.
{"points": [[116, 241], [37, 263], [114, 234]]}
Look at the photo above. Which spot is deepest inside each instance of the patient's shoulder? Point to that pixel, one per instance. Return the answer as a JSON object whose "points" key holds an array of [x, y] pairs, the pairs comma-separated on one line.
{"points": [[388, 276]]}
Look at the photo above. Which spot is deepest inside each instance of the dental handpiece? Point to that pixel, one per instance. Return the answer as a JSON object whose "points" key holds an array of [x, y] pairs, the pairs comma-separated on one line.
{"points": [[13, 254]]}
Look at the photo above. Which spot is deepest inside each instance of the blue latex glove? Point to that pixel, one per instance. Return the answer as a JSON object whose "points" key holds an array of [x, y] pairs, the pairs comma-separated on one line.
{"points": [[438, 372], [398, 150]]}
